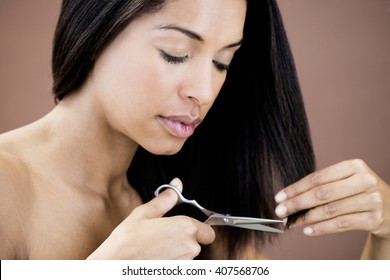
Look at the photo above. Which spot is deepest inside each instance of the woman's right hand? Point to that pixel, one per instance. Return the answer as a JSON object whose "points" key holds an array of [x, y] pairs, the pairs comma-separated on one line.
{"points": [[146, 234]]}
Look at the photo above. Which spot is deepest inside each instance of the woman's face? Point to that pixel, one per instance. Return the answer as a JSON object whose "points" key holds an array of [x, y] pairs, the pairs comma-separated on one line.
{"points": [[160, 76]]}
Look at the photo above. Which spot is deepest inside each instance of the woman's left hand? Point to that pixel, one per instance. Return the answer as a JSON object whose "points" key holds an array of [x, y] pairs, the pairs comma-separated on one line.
{"points": [[345, 196]]}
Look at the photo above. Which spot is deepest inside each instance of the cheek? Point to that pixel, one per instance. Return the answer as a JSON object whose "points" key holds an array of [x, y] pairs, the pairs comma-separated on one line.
{"points": [[216, 88], [152, 82], [139, 82], [217, 85]]}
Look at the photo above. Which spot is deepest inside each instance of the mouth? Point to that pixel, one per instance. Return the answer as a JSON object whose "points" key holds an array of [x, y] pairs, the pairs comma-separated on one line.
{"points": [[180, 126]]}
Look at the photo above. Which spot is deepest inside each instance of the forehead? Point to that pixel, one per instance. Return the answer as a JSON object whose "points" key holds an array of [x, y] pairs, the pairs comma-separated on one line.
{"points": [[214, 19]]}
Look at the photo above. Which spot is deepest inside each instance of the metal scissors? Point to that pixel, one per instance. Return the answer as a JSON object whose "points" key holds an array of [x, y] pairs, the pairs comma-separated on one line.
{"points": [[224, 220]]}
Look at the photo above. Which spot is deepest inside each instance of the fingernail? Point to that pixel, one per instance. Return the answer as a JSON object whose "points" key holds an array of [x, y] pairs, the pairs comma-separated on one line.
{"points": [[281, 210], [280, 197], [175, 182], [308, 230]]}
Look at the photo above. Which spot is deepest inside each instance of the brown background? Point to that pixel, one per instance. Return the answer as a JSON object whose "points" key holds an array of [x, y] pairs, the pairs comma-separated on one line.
{"points": [[342, 56]]}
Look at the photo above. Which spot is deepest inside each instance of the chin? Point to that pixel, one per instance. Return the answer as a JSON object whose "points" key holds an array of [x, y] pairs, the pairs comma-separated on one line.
{"points": [[165, 150]]}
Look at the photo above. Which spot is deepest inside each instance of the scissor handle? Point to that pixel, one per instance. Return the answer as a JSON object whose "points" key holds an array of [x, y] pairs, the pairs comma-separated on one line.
{"points": [[182, 199], [167, 186]]}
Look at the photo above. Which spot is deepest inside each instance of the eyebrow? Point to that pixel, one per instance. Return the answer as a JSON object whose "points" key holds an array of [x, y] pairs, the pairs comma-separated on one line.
{"points": [[195, 36]]}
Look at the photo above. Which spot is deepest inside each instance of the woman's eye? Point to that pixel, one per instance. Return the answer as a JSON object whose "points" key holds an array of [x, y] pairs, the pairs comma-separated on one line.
{"points": [[221, 66], [181, 59], [173, 59]]}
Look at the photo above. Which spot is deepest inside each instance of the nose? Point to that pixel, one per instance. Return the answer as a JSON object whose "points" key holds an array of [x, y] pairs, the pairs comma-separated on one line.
{"points": [[201, 87]]}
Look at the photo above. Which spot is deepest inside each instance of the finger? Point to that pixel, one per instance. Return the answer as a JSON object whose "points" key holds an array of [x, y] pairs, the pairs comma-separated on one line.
{"points": [[177, 183], [359, 203], [161, 204], [321, 195], [201, 232], [336, 172], [205, 233], [355, 221]]}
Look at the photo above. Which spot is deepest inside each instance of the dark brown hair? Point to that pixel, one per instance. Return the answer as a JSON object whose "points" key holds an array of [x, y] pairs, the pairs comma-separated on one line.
{"points": [[255, 139]]}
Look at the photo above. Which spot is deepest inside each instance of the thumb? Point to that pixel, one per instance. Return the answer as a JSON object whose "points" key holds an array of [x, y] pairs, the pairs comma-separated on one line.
{"points": [[177, 183], [165, 201]]}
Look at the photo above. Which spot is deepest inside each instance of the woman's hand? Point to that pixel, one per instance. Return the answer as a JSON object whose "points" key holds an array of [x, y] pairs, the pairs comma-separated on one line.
{"points": [[146, 234], [345, 196]]}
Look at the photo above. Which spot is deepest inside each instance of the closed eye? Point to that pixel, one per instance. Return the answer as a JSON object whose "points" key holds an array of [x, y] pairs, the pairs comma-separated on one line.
{"points": [[221, 66], [173, 59]]}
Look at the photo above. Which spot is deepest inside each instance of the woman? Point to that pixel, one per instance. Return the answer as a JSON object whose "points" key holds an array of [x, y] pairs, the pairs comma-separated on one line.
{"points": [[133, 79]]}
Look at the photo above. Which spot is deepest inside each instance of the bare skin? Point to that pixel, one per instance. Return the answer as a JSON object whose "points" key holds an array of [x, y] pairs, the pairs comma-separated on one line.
{"points": [[64, 192], [63, 185], [342, 197], [52, 219]]}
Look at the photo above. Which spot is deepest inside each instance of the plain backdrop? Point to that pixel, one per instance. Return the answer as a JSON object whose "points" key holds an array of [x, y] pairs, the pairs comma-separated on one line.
{"points": [[341, 50]]}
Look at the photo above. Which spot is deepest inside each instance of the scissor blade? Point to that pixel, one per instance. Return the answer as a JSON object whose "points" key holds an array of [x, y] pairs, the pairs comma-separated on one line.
{"points": [[242, 222], [259, 227], [248, 220], [235, 220]]}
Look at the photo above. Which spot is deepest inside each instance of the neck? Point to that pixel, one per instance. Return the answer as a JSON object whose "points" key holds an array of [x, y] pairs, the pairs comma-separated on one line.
{"points": [[83, 148]]}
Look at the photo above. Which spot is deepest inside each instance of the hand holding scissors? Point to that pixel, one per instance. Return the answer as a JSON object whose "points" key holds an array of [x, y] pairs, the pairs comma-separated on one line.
{"points": [[224, 220]]}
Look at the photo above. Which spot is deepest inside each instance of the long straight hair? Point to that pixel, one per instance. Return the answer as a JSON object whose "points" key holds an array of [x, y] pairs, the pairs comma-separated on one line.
{"points": [[255, 139]]}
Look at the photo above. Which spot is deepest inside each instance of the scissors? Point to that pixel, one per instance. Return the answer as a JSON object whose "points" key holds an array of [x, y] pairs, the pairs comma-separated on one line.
{"points": [[224, 220]]}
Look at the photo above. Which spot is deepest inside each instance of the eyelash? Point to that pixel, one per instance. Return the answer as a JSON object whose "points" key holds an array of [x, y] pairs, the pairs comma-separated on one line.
{"points": [[221, 67], [173, 59]]}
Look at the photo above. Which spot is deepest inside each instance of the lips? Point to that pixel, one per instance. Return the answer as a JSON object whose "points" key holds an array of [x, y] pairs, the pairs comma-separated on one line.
{"points": [[180, 126]]}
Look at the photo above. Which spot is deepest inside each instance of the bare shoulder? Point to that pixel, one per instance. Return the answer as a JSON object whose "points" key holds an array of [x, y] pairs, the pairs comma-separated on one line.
{"points": [[13, 170], [14, 200]]}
